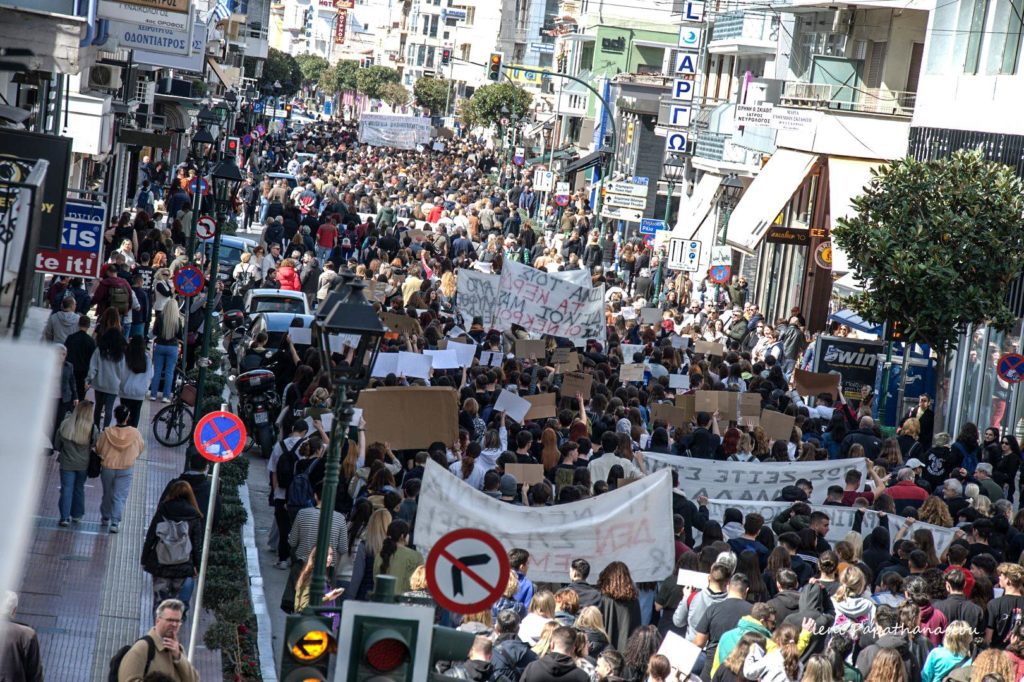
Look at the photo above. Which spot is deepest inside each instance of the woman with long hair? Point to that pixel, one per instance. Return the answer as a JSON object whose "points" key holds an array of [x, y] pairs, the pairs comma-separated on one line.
{"points": [[106, 370], [540, 611], [165, 352], [136, 378], [507, 600], [967, 449], [1005, 468], [934, 511], [619, 606], [854, 611], [305, 578], [549, 453], [591, 623], [731, 669], [781, 663], [640, 646], [396, 558], [174, 572], [818, 669], [366, 554], [991, 664], [887, 666], [76, 437], [748, 564], [955, 649], [118, 446]]}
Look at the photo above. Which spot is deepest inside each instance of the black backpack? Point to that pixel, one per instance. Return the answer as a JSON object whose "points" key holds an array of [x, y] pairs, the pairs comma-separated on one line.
{"points": [[115, 661]]}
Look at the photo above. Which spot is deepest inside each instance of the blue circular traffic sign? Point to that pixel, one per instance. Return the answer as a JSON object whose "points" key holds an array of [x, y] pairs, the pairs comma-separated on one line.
{"points": [[203, 184], [719, 274], [189, 281], [1011, 368], [562, 199], [220, 436]]}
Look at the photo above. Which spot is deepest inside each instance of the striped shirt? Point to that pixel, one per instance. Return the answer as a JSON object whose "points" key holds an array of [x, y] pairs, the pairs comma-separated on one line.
{"points": [[302, 536]]}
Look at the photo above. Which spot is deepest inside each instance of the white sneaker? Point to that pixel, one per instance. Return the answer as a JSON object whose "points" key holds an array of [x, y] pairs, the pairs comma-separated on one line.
{"points": [[167, 399], [283, 565]]}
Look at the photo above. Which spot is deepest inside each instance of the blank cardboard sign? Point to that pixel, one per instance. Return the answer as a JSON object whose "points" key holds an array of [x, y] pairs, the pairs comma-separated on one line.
{"points": [[777, 426], [542, 406]]}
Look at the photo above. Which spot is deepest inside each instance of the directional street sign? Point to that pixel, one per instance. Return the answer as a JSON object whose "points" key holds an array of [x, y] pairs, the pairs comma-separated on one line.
{"points": [[650, 226], [627, 188], [220, 436], [203, 185], [683, 254], [1011, 368], [188, 281], [721, 255], [624, 201], [206, 227], [467, 570], [613, 213]]}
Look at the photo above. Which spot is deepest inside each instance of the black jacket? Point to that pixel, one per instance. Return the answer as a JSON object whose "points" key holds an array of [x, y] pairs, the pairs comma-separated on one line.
{"points": [[588, 594], [785, 603], [511, 655], [80, 347], [554, 667], [477, 671], [621, 618], [201, 486], [173, 510], [871, 443]]}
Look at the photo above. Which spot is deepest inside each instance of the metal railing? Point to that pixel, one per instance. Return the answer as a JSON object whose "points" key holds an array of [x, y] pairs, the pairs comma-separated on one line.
{"points": [[864, 100]]}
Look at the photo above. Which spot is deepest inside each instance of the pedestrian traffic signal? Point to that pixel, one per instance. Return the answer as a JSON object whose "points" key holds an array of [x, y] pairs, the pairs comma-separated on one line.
{"points": [[494, 66], [893, 330], [233, 143], [308, 642], [446, 56]]}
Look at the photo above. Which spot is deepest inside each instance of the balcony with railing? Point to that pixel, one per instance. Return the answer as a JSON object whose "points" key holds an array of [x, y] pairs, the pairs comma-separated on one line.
{"points": [[744, 32], [848, 98], [718, 141]]}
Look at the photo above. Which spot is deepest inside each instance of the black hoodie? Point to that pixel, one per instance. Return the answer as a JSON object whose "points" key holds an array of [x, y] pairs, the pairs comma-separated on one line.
{"points": [[477, 671], [816, 604], [554, 667], [174, 510]]}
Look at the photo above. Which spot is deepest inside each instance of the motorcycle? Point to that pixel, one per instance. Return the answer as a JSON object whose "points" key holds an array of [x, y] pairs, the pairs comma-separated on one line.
{"points": [[258, 406]]}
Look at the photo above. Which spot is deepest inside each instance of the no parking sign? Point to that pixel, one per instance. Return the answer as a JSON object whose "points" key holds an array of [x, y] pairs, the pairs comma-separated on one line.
{"points": [[220, 436], [1011, 368]]}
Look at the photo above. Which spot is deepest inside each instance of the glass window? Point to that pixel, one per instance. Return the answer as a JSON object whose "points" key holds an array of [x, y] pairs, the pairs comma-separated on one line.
{"points": [[942, 37], [1004, 46], [978, 11]]}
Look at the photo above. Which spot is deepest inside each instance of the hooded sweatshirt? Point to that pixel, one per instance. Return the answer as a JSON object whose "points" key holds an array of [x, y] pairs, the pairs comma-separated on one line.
{"points": [[729, 640], [732, 530], [854, 614], [120, 446], [60, 326], [687, 615], [933, 624], [554, 667], [889, 641], [816, 605]]}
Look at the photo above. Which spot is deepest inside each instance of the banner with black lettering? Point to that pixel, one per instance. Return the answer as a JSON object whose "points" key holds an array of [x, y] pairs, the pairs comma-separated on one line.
{"points": [[476, 295], [631, 524], [752, 481], [544, 304], [841, 520]]}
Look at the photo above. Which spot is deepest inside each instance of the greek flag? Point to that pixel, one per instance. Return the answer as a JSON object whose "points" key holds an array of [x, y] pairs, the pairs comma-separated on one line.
{"points": [[221, 12]]}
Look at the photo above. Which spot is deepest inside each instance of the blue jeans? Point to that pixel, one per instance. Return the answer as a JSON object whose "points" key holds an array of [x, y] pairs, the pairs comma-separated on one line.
{"points": [[264, 207], [185, 595], [164, 359], [72, 494], [104, 409], [116, 484], [646, 599]]}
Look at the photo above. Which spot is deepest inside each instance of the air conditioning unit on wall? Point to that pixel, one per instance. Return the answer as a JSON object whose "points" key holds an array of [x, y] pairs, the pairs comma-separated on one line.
{"points": [[105, 77]]}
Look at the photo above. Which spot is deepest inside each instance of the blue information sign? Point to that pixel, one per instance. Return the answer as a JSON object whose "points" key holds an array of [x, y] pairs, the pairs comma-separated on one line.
{"points": [[650, 225]]}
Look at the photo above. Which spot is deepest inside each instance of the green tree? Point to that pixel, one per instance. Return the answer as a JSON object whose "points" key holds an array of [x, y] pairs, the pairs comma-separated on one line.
{"points": [[937, 243], [432, 94], [340, 77], [370, 80], [312, 66], [394, 95], [484, 108], [281, 67]]}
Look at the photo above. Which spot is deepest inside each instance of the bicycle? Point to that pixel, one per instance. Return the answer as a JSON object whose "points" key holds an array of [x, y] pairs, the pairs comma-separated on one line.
{"points": [[172, 425]]}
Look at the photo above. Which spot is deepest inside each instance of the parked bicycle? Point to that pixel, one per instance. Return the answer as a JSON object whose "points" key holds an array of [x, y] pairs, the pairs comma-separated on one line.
{"points": [[172, 425]]}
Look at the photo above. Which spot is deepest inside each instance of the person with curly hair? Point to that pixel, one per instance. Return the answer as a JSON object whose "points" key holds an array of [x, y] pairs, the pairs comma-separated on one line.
{"points": [[620, 606], [640, 646], [989, 663], [934, 511]]}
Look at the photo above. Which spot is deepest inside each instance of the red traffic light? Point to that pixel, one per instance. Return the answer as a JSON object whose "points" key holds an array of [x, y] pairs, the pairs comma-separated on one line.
{"points": [[386, 651], [232, 144]]}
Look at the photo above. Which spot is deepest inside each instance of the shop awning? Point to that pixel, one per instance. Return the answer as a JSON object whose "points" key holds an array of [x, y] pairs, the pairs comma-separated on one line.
{"points": [[766, 197], [588, 161], [846, 180], [694, 211], [855, 321]]}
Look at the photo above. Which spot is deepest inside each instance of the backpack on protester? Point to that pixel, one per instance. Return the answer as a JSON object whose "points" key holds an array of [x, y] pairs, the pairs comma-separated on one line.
{"points": [[300, 490], [119, 299], [173, 544], [145, 200], [117, 658]]}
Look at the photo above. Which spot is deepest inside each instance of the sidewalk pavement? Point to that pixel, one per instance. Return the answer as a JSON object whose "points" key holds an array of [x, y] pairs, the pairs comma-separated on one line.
{"points": [[83, 589], [274, 579]]}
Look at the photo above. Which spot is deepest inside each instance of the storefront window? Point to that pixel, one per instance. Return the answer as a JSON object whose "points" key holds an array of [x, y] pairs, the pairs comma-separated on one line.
{"points": [[970, 394], [995, 393]]}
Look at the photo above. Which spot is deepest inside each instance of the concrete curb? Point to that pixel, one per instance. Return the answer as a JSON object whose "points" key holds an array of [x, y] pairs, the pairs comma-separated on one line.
{"points": [[264, 638]]}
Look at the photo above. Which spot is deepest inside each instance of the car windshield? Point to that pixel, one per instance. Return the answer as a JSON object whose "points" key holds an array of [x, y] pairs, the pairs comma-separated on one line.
{"points": [[276, 304]]}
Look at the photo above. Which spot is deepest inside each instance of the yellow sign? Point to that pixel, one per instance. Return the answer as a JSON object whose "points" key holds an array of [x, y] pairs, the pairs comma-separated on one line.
{"points": [[517, 75], [312, 646]]}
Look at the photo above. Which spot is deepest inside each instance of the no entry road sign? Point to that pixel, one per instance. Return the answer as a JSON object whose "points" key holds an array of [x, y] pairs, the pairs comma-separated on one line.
{"points": [[1011, 367], [188, 281], [220, 436], [467, 570]]}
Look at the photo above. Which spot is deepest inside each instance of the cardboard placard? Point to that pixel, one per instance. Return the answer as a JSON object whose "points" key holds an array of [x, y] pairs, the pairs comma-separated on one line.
{"points": [[631, 372], [491, 358], [443, 359], [387, 363], [670, 414], [572, 363], [728, 405], [681, 654], [526, 474], [403, 324], [531, 348], [709, 348], [693, 580], [542, 406], [574, 383], [628, 313], [429, 414], [777, 426], [415, 365], [750, 404], [651, 315], [815, 383], [706, 401], [512, 405], [629, 351], [688, 403], [560, 356], [376, 291], [464, 351], [679, 382], [749, 422], [679, 342]]}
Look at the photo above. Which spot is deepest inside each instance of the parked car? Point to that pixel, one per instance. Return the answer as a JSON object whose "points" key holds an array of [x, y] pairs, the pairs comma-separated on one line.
{"points": [[275, 301]]}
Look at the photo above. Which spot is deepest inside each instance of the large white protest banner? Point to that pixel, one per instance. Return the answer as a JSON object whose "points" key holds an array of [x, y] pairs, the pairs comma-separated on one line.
{"points": [[476, 295], [580, 278], [394, 130], [630, 524], [753, 481], [543, 304], [841, 519]]}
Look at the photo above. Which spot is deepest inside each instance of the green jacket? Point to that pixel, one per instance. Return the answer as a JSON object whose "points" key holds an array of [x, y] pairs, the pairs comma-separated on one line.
{"points": [[732, 637]]}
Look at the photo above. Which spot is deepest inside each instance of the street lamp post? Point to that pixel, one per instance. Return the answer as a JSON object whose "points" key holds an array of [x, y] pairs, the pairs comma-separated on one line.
{"points": [[729, 196], [345, 311], [673, 170]]}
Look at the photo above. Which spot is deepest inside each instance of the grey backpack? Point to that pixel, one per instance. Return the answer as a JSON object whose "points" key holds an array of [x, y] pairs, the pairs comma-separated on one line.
{"points": [[173, 544]]}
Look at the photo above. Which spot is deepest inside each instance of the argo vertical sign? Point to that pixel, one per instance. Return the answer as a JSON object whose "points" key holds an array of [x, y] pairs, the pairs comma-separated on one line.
{"points": [[686, 72]]}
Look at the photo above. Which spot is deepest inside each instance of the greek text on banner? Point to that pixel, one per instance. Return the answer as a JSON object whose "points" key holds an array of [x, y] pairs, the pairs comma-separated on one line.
{"points": [[630, 524], [544, 304], [751, 481]]}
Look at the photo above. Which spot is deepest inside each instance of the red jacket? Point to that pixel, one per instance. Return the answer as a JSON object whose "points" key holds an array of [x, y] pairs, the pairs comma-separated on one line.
{"points": [[99, 297], [288, 278], [907, 490]]}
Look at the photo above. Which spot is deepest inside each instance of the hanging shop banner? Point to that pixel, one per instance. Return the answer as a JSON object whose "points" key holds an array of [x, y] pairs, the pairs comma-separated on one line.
{"points": [[841, 520], [19, 150], [855, 360], [752, 481], [340, 27], [394, 130], [80, 244], [174, 14], [629, 524], [543, 304]]}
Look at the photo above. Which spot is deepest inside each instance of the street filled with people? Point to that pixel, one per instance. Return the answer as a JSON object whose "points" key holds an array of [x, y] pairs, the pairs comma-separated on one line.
{"points": [[797, 539]]}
